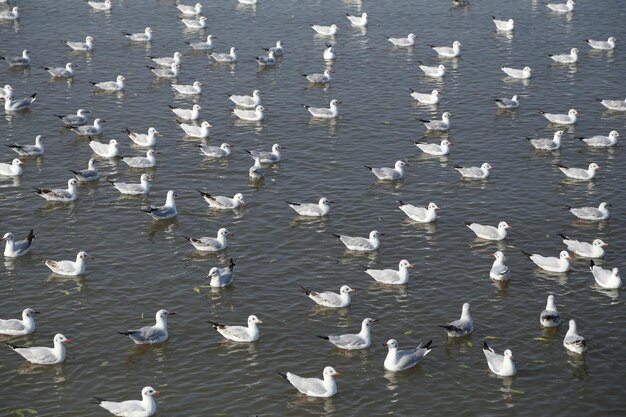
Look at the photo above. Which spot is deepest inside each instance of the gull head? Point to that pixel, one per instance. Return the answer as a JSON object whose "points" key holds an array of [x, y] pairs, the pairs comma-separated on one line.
{"points": [[206, 125], [324, 201], [574, 51], [29, 312], [613, 134], [144, 178], [334, 103], [276, 147], [411, 36], [72, 182], [572, 112], [223, 232], [434, 93], [153, 131], [214, 272], [112, 142], [256, 93], [466, 309], [485, 166], [239, 198], [441, 67], [599, 243], [508, 354], [406, 264], [499, 255], [330, 371], [259, 109], [162, 314], [59, 338], [391, 344], [564, 255], [400, 164], [456, 44], [611, 40], [446, 142], [604, 205], [527, 70], [16, 162], [149, 392], [446, 115], [148, 31], [89, 39], [177, 55], [83, 255], [375, 234], [252, 319], [368, 322], [196, 107], [226, 146], [197, 84], [151, 153], [593, 166], [503, 225], [334, 27], [345, 290], [433, 206], [8, 236]]}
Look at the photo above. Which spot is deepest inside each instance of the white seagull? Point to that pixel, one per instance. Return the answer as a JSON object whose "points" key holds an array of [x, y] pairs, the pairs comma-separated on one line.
{"points": [[591, 213], [256, 172], [168, 60], [194, 89], [267, 157], [69, 268], [210, 244], [323, 112], [504, 25], [100, 5], [314, 387], [146, 36], [580, 173], [149, 335], [89, 174], [202, 46], [247, 102], [499, 271], [60, 194], [570, 58], [166, 211], [18, 105], [195, 23], [325, 30], [507, 103], [434, 72], [15, 327], [117, 85], [361, 340], [255, 115], [195, 131], [187, 114], [616, 105], [329, 298], [91, 130], [221, 202], [448, 52], [599, 141], [361, 244], [573, 341], [278, 49], [267, 61], [545, 144], [399, 360], [86, 46], [222, 277], [171, 72], [148, 161], [562, 119], [105, 150], [607, 45], [522, 74], [190, 10], [442, 125], [420, 214], [222, 151], [249, 333], [143, 139], [425, 98], [391, 276], [141, 188], [403, 42], [321, 209], [225, 58], [13, 248], [62, 72], [359, 21], [551, 264], [461, 327], [605, 278], [42, 355], [12, 14], [395, 173], [501, 365], [550, 316], [476, 173], [132, 408], [562, 8], [330, 53], [441, 149], [18, 61], [29, 150], [13, 169], [73, 120]]}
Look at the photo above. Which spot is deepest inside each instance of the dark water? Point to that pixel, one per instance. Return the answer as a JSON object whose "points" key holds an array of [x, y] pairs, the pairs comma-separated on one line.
{"points": [[142, 266]]}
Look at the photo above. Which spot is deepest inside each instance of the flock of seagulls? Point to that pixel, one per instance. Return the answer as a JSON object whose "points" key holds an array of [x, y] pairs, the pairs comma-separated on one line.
{"points": [[249, 108]]}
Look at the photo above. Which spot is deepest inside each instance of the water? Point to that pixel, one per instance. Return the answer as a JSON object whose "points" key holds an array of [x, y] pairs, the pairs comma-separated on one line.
{"points": [[142, 266]]}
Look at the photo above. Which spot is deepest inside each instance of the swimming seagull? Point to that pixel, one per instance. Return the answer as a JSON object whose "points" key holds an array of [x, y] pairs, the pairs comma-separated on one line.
{"points": [[226, 58], [430, 98], [361, 244], [329, 298], [420, 214], [256, 172], [60, 194], [580, 173], [69, 268], [249, 333], [434, 72], [221, 151], [148, 161], [195, 131], [562, 8], [399, 360], [15, 327], [504, 25], [41, 355], [62, 72], [100, 5], [550, 317], [222, 277], [267, 157], [187, 114], [545, 144], [168, 60], [13, 169], [17, 105], [395, 173], [221, 202], [599, 141], [501, 365], [117, 85], [607, 45], [104, 150], [323, 112], [171, 72], [267, 61], [391, 276], [12, 14], [476, 173], [441, 149], [18, 61], [13, 248], [195, 24], [73, 120], [320, 209], [461, 327], [325, 30], [442, 125], [314, 387], [247, 102], [29, 150], [210, 244], [329, 53], [616, 105], [591, 213], [146, 36], [499, 271], [448, 52], [149, 335], [278, 49], [202, 46], [166, 211], [403, 42], [551, 264], [605, 278], [523, 74], [570, 58], [89, 174], [92, 130], [562, 119], [188, 89], [142, 188], [361, 340], [255, 115], [360, 21], [132, 408], [86, 46], [142, 139], [190, 10], [573, 341], [507, 103]]}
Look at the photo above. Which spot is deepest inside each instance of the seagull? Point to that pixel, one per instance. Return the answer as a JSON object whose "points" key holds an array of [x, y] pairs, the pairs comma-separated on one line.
{"points": [[148, 161], [434, 72], [361, 340], [149, 335], [221, 151], [105, 150], [324, 113], [420, 214], [103, 6], [580, 173], [15, 249], [61, 72], [442, 125], [570, 58], [134, 189], [550, 317], [249, 333], [314, 387], [267, 61], [461, 327], [522, 74], [329, 53], [562, 8], [117, 85], [601, 141], [573, 341], [202, 46], [143, 139], [59, 194], [605, 278], [442, 149], [187, 114], [448, 52], [89, 174], [29, 150], [221, 202], [504, 25], [594, 249], [399, 360], [132, 408], [562, 119], [361, 244], [267, 157], [13, 14], [499, 271], [195, 24], [255, 115], [69, 268], [166, 211], [591, 213], [6, 92], [86, 46], [616, 105], [11, 170], [74, 120], [190, 10], [431, 98], [171, 72], [329, 298], [477, 173], [194, 89], [146, 36], [226, 58], [321, 209], [222, 277], [545, 144], [247, 102], [17, 105], [391, 276], [395, 173], [607, 45], [256, 172], [507, 103], [168, 60], [41, 355], [195, 131], [551, 264], [15, 327], [501, 365], [18, 61], [94, 130], [210, 244], [403, 42], [278, 49], [360, 21], [325, 30]]}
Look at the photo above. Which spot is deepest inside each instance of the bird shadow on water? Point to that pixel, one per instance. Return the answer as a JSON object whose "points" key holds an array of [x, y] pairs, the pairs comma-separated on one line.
{"points": [[50, 206], [310, 222], [157, 227], [456, 345], [304, 400], [139, 352], [578, 362], [40, 371], [79, 280], [407, 376]]}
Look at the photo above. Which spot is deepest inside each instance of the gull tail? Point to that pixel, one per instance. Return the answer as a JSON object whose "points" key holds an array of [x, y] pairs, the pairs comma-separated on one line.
{"points": [[565, 237], [31, 236], [401, 202], [322, 337], [283, 374], [127, 333], [215, 325], [306, 291], [74, 172], [203, 194], [337, 236], [13, 347], [486, 346], [292, 204], [306, 106], [368, 167], [527, 254], [428, 345]]}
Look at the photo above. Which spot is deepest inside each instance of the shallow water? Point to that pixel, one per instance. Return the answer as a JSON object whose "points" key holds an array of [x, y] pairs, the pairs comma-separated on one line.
{"points": [[142, 265]]}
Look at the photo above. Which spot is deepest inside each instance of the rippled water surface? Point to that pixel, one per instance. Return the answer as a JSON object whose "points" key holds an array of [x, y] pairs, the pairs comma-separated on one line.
{"points": [[142, 265]]}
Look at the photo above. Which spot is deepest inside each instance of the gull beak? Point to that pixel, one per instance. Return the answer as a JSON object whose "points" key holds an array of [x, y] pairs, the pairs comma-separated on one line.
{"points": [[157, 133], [381, 234], [151, 177], [171, 313], [260, 321], [409, 266], [157, 393], [353, 290], [68, 340], [36, 312], [493, 254], [384, 345], [337, 373], [331, 202], [605, 244], [158, 152], [375, 320], [87, 111]]}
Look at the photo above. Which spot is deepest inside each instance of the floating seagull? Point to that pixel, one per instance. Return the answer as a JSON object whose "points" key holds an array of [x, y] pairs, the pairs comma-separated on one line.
{"points": [[594, 249], [18, 61], [247, 102], [190, 10], [202, 46], [105, 150], [314, 387], [187, 114], [570, 58], [601, 141], [580, 173], [148, 161], [17, 105], [278, 49], [226, 58], [501, 365], [149, 335], [550, 317], [86, 46], [361, 340], [146, 36], [325, 30], [195, 24], [461, 327], [248, 333], [442, 125], [562, 8], [434, 149], [523, 74], [434, 72], [13, 169], [391, 276], [361, 244], [267, 61], [256, 172], [573, 341], [321, 209], [395, 173], [143, 139], [168, 60], [132, 408], [89, 174], [591, 213], [62, 72], [41, 355], [117, 85], [504, 25], [403, 42], [448, 52], [562, 119], [221, 151], [133, 188], [98, 5], [607, 45], [507, 103], [616, 105], [59, 194], [267, 157], [477, 173], [605, 278], [222, 277], [94, 130], [551, 264], [195, 131], [248, 2], [15, 327], [73, 120], [6, 92], [221, 202], [360, 21], [12, 14], [255, 115], [329, 298], [323, 112], [420, 214], [194, 89], [499, 271], [29, 150], [210, 244], [399, 360], [69, 268], [13, 248], [431, 98], [545, 144], [329, 53], [171, 72], [166, 211]]}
